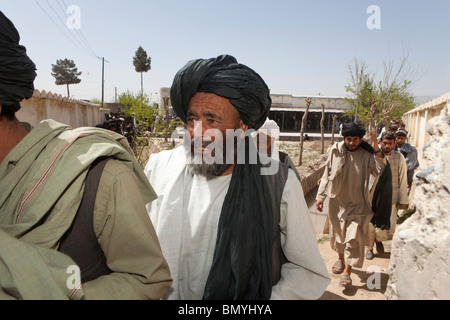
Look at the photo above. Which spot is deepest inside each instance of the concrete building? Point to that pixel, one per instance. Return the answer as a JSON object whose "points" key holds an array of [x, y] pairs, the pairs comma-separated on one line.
{"points": [[288, 111]]}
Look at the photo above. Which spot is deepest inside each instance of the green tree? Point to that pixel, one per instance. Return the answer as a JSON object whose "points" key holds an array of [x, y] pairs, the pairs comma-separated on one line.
{"points": [[361, 90], [142, 63], [150, 119], [379, 102], [65, 72]]}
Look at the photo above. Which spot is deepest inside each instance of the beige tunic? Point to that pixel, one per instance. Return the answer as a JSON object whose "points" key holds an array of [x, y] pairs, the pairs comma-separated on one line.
{"points": [[399, 184], [345, 187], [399, 195]]}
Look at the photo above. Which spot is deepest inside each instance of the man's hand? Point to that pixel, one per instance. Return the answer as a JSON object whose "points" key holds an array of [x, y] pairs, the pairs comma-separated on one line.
{"points": [[319, 205], [373, 137], [403, 206]]}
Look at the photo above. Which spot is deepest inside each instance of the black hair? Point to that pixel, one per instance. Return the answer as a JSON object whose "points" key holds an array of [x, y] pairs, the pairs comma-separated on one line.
{"points": [[388, 135]]}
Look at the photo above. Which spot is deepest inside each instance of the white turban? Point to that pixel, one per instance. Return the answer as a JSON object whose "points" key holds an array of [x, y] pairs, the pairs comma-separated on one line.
{"points": [[269, 128]]}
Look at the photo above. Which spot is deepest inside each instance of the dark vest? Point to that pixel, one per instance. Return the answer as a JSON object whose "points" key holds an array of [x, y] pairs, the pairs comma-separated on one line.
{"points": [[276, 184], [80, 242]]}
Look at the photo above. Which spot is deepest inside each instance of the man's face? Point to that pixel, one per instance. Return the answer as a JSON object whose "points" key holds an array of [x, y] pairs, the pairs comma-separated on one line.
{"points": [[387, 145], [400, 140], [352, 143], [208, 115]]}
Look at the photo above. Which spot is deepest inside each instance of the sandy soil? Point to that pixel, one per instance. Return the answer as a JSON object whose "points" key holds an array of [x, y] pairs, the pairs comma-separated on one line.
{"points": [[369, 282]]}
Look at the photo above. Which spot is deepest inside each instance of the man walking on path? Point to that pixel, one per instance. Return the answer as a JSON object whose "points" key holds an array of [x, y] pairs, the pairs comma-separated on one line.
{"points": [[345, 191]]}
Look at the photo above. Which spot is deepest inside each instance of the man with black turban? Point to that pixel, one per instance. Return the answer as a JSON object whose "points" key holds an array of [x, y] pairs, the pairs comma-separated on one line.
{"points": [[73, 221], [229, 228], [346, 191], [17, 71]]}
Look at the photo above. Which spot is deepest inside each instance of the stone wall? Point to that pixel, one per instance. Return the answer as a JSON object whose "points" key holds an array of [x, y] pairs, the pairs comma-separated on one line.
{"points": [[45, 105], [309, 183], [420, 257]]}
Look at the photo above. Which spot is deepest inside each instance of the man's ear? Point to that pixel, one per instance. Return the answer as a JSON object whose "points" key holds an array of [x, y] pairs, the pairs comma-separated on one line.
{"points": [[243, 126]]}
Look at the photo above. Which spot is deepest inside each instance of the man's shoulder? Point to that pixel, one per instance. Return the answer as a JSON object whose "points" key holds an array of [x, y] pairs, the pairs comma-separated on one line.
{"points": [[167, 158], [407, 147], [395, 154], [116, 167]]}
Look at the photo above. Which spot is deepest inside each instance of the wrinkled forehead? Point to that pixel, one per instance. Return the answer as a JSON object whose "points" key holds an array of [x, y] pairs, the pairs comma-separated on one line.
{"points": [[203, 102]]}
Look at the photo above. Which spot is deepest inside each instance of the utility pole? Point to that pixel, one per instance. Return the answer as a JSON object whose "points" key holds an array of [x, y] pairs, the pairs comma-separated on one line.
{"points": [[103, 78]]}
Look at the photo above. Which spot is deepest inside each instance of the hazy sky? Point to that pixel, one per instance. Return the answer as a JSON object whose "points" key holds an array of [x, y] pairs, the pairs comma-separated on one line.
{"points": [[298, 47]]}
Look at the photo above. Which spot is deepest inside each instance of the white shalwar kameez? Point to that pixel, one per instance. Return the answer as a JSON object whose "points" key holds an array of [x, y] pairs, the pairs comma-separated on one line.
{"points": [[186, 216]]}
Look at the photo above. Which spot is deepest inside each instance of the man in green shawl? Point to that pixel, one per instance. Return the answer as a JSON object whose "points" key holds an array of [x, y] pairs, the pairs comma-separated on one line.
{"points": [[42, 179]]}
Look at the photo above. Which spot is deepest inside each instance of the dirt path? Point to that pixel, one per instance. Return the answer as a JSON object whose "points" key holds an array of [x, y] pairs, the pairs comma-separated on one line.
{"points": [[369, 282]]}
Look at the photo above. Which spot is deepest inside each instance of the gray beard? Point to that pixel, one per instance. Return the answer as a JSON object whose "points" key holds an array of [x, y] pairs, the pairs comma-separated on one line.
{"points": [[205, 169], [210, 169]]}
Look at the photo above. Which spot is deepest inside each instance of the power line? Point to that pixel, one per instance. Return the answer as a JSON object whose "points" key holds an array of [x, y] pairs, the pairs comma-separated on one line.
{"points": [[62, 30], [78, 30], [64, 25]]}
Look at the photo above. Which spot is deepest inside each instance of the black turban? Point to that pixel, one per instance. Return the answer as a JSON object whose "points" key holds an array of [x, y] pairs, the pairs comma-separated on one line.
{"points": [[401, 133], [225, 77], [353, 130], [17, 71]]}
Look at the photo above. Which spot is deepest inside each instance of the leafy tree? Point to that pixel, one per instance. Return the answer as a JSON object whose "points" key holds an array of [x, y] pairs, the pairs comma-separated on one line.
{"points": [[362, 90], [65, 72], [142, 63], [380, 102], [150, 119]]}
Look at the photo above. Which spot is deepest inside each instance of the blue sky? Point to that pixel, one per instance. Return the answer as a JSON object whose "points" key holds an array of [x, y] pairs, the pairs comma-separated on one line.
{"points": [[298, 47]]}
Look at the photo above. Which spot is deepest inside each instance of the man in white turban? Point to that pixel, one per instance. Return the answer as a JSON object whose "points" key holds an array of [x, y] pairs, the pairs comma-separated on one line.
{"points": [[266, 139]]}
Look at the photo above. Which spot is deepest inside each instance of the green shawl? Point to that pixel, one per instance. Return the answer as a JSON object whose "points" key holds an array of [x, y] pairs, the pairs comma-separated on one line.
{"points": [[41, 186]]}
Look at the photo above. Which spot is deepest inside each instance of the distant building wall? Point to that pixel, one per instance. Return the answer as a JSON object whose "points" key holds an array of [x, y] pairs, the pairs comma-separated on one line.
{"points": [[164, 93], [45, 105], [287, 102], [288, 111]]}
